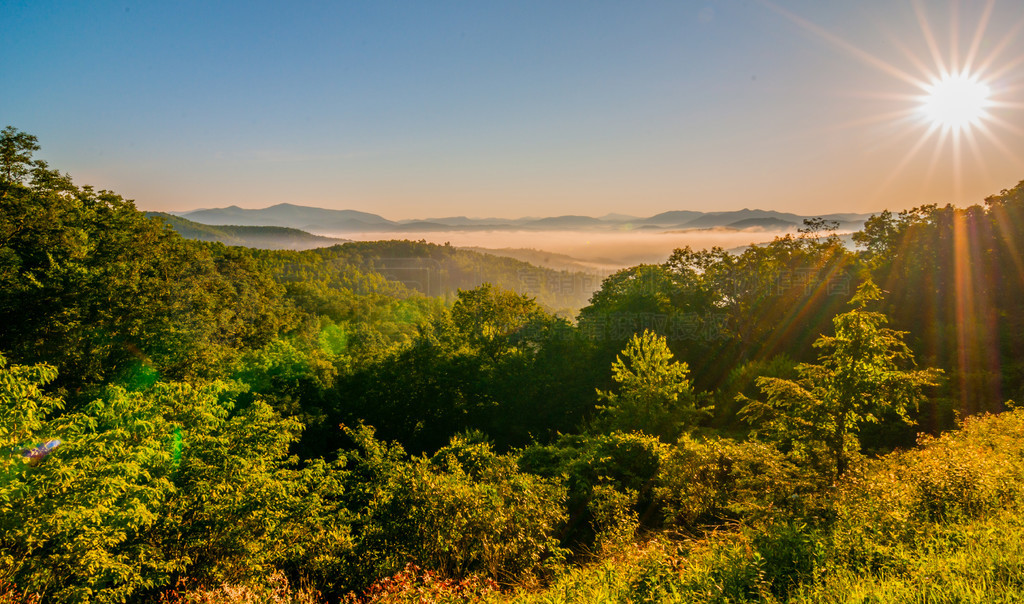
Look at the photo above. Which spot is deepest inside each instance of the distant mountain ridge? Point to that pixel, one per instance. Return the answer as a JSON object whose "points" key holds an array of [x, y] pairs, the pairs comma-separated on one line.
{"points": [[327, 221], [262, 237]]}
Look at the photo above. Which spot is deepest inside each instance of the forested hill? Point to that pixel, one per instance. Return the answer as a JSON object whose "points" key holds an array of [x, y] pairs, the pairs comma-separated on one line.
{"points": [[428, 269], [433, 270], [264, 237]]}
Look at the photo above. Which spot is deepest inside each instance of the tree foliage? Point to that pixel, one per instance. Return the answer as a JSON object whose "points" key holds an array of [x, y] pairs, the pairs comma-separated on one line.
{"points": [[92, 286], [149, 486], [654, 394], [864, 371]]}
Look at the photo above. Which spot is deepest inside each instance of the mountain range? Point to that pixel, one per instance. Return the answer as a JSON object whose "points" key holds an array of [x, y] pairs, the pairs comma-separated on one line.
{"points": [[333, 222], [263, 237]]}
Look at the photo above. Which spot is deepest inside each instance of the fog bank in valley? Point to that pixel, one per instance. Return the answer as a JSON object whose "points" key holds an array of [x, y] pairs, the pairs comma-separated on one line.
{"points": [[600, 251]]}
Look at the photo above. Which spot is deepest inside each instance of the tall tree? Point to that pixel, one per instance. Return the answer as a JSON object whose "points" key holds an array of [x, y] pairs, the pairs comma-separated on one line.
{"points": [[865, 371], [655, 395], [92, 286]]}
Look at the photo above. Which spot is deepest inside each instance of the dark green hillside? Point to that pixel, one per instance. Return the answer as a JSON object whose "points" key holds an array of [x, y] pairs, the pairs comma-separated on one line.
{"points": [[263, 237], [436, 270], [430, 269]]}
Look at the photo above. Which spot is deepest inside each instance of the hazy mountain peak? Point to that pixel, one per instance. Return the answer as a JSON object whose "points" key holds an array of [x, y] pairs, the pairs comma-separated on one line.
{"points": [[330, 221]]}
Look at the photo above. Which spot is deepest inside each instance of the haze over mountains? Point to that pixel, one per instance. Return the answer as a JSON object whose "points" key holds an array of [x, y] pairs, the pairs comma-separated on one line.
{"points": [[605, 243], [334, 222]]}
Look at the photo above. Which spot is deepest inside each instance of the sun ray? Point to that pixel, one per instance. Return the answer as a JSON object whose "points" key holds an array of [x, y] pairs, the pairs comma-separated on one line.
{"points": [[999, 144], [954, 37], [911, 56], [982, 166], [1005, 69], [1009, 236], [848, 47], [1006, 125], [936, 152], [1007, 105], [964, 299], [929, 37], [999, 48], [907, 158], [958, 166], [979, 34], [880, 118]]}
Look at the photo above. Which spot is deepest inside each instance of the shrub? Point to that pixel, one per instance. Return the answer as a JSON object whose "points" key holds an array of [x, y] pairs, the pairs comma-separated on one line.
{"points": [[892, 504], [149, 486], [609, 478], [466, 510], [709, 481]]}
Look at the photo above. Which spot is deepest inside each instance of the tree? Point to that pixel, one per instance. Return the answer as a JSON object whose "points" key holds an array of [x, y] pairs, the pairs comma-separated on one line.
{"points": [[655, 395], [148, 486], [93, 287], [16, 149], [490, 317], [867, 371]]}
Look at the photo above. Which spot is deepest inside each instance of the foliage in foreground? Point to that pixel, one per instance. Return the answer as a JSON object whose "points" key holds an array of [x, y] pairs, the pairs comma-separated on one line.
{"points": [[940, 523]]}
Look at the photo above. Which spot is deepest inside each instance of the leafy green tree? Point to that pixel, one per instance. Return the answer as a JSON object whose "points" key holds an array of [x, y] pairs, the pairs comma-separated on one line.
{"points": [[655, 395], [91, 286], [866, 371], [953, 279], [16, 150], [778, 296], [496, 363], [490, 317], [629, 301]]}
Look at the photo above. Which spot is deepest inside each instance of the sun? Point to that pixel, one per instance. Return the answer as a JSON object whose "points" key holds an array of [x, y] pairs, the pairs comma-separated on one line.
{"points": [[955, 101], [954, 97]]}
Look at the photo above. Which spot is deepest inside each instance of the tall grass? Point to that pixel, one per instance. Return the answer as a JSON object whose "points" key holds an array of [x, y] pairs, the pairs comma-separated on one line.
{"points": [[943, 522]]}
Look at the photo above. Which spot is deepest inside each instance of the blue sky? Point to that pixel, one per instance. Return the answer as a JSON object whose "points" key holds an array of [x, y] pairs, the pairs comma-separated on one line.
{"points": [[427, 109]]}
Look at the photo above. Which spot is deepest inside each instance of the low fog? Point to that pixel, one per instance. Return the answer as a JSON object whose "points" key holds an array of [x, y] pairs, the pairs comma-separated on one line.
{"points": [[605, 251]]}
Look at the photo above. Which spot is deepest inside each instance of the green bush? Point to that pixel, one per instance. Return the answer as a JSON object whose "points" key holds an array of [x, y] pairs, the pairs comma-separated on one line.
{"points": [[465, 510], [610, 478], [710, 481], [890, 506], [149, 486]]}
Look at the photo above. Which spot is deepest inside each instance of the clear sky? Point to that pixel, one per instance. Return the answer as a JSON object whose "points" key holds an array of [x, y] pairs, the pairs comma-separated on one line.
{"points": [[419, 109]]}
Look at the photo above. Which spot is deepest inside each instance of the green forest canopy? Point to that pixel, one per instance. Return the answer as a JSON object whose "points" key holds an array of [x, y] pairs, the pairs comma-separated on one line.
{"points": [[228, 413]]}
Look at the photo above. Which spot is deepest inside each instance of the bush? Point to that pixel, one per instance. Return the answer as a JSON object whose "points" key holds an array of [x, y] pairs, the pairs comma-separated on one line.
{"points": [[707, 482], [891, 505], [466, 510], [149, 486], [610, 478]]}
